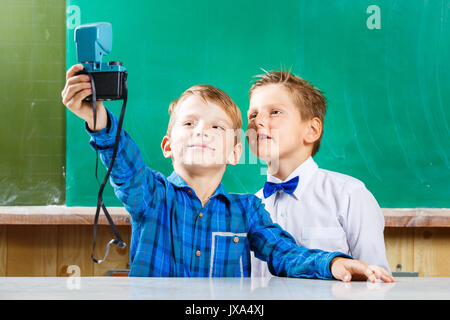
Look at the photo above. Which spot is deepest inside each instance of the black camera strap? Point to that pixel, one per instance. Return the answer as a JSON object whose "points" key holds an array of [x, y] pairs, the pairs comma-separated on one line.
{"points": [[118, 241]]}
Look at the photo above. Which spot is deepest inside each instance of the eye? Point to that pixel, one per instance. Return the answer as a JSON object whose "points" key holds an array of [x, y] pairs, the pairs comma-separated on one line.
{"points": [[218, 127], [188, 123], [276, 112], [252, 116]]}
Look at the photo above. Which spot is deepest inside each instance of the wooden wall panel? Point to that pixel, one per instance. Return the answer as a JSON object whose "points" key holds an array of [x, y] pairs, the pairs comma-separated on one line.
{"points": [[399, 244], [37, 250], [32, 251], [74, 248], [432, 252], [3, 251], [40, 250]]}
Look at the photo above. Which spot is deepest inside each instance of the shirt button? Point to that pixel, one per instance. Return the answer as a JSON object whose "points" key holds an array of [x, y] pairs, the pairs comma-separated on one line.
{"points": [[236, 240], [201, 214], [198, 253]]}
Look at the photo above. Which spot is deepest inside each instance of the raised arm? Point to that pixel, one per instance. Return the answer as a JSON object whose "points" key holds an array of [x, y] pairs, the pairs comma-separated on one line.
{"points": [[134, 183]]}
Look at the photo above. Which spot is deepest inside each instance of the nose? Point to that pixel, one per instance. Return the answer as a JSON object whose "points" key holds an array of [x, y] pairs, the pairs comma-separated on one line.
{"points": [[260, 120], [200, 129]]}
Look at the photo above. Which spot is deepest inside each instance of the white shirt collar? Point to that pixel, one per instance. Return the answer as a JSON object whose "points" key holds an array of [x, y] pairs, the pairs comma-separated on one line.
{"points": [[304, 172]]}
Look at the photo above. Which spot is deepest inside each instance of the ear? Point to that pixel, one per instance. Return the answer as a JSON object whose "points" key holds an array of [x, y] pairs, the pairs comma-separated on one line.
{"points": [[235, 155], [314, 130], [166, 148]]}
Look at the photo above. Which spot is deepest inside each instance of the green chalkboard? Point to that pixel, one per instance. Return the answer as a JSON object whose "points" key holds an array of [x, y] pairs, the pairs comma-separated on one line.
{"points": [[383, 66], [32, 118]]}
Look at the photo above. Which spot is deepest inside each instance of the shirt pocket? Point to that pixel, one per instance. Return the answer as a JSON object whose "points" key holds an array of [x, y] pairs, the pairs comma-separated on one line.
{"points": [[227, 254], [325, 238]]}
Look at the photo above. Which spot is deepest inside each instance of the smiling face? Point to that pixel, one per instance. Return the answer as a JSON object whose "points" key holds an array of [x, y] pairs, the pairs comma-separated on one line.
{"points": [[201, 136], [276, 130]]}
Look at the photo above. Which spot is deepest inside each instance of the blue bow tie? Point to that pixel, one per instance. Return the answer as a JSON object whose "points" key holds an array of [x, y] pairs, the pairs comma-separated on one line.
{"points": [[288, 187]]}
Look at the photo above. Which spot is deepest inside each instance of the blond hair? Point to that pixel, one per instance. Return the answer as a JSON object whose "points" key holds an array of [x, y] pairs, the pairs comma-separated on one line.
{"points": [[309, 100], [208, 94]]}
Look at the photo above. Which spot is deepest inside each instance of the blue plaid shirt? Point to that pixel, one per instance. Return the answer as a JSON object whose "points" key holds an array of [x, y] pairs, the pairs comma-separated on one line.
{"points": [[174, 236]]}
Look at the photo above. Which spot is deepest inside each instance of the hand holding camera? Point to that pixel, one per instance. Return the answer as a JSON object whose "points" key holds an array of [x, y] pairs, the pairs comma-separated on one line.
{"points": [[92, 79], [77, 88]]}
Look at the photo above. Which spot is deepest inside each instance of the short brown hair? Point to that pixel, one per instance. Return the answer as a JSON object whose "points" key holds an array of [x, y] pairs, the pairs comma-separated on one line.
{"points": [[309, 99], [211, 94]]}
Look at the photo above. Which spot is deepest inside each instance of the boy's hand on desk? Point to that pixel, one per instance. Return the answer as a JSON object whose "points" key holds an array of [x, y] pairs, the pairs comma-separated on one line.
{"points": [[347, 269], [76, 89]]}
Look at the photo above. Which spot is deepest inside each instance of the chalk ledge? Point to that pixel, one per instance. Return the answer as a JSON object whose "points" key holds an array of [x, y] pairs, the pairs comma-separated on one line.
{"points": [[62, 215]]}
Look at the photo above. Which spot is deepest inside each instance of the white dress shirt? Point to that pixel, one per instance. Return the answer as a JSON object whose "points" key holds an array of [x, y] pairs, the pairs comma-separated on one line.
{"points": [[328, 211]]}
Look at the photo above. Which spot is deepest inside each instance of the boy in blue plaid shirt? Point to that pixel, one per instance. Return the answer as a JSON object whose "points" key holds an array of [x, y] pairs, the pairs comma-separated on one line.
{"points": [[187, 224]]}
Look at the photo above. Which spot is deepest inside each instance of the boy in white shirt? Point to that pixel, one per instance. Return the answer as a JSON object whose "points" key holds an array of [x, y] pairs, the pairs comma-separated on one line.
{"points": [[322, 209]]}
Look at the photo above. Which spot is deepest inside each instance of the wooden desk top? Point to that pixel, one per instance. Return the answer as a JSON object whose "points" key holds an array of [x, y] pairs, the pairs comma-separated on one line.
{"points": [[62, 215], [274, 288]]}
